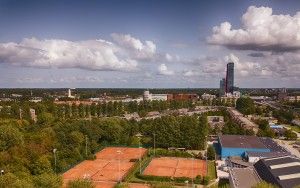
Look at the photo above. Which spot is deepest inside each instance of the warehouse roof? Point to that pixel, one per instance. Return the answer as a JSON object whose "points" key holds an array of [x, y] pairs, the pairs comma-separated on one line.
{"points": [[284, 171], [266, 154], [244, 177], [241, 141], [273, 146]]}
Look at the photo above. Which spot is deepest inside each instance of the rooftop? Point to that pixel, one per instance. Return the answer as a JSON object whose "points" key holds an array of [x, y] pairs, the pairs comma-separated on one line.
{"points": [[284, 171], [244, 177], [266, 154], [241, 141], [273, 146]]}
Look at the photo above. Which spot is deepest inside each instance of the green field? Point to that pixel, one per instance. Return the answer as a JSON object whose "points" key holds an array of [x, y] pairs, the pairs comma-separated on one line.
{"points": [[211, 170]]}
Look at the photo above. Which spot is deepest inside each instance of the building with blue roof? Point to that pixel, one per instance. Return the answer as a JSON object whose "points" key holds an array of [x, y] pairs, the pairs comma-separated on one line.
{"points": [[238, 145]]}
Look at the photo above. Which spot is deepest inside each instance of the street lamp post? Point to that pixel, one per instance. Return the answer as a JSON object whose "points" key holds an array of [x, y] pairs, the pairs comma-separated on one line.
{"points": [[139, 135], [54, 153]]}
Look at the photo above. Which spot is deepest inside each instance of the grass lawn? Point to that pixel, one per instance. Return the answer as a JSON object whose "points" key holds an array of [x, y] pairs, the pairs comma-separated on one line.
{"points": [[211, 170]]}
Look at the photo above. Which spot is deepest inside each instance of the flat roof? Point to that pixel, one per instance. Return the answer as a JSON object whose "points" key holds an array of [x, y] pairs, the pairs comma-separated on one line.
{"points": [[241, 141], [266, 154], [244, 177], [272, 145]]}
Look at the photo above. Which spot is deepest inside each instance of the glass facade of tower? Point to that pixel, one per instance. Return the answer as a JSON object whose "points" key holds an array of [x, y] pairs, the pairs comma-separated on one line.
{"points": [[230, 78]]}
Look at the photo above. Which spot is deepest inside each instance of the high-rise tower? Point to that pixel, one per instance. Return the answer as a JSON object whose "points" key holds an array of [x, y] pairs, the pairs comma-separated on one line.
{"points": [[222, 87], [230, 77]]}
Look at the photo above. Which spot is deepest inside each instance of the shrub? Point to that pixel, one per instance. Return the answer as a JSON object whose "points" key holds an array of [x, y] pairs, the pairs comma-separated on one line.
{"points": [[206, 180]]}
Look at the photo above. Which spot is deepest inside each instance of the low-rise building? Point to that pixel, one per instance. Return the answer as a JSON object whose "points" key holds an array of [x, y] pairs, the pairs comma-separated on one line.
{"points": [[134, 116], [215, 121], [239, 145], [281, 171], [207, 96], [147, 96], [253, 156], [243, 177], [242, 120], [183, 96], [292, 98]]}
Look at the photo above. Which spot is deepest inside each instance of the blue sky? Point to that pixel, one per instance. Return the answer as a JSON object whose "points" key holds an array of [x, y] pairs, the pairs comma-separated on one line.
{"points": [[146, 44]]}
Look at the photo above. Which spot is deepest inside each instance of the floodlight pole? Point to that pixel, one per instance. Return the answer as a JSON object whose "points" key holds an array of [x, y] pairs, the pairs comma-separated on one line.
{"points": [[54, 153], [139, 135], [86, 145], [154, 144], [119, 172], [140, 155]]}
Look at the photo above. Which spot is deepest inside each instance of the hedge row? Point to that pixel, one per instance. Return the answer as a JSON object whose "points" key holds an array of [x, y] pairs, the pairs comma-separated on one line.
{"points": [[198, 180], [170, 153]]}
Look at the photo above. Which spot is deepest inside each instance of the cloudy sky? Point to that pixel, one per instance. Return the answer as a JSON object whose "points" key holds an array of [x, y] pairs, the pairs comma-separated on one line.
{"points": [[149, 44]]}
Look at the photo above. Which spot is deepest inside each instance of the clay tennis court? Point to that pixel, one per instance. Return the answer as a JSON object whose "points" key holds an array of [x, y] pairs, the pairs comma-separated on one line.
{"points": [[176, 167], [111, 165]]}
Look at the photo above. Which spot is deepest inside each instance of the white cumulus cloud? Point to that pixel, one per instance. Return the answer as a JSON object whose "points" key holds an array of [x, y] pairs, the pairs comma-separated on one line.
{"points": [[163, 70], [139, 50], [88, 54], [260, 30]]}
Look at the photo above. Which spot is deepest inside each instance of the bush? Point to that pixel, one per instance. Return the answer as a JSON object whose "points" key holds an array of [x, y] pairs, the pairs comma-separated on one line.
{"points": [[153, 178], [48, 180], [198, 179], [206, 180], [91, 157], [80, 183], [162, 185], [170, 153]]}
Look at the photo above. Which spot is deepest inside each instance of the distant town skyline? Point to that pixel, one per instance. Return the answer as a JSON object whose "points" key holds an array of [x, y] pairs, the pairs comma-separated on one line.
{"points": [[149, 44]]}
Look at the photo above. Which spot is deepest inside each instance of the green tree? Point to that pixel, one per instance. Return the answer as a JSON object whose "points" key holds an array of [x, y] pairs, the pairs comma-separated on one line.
{"points": [[41, 166], [48, 180], [80, 183], [10, 136], [45, 118], [211, 153], [12, 181], [245, 105], [290, 135]]}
